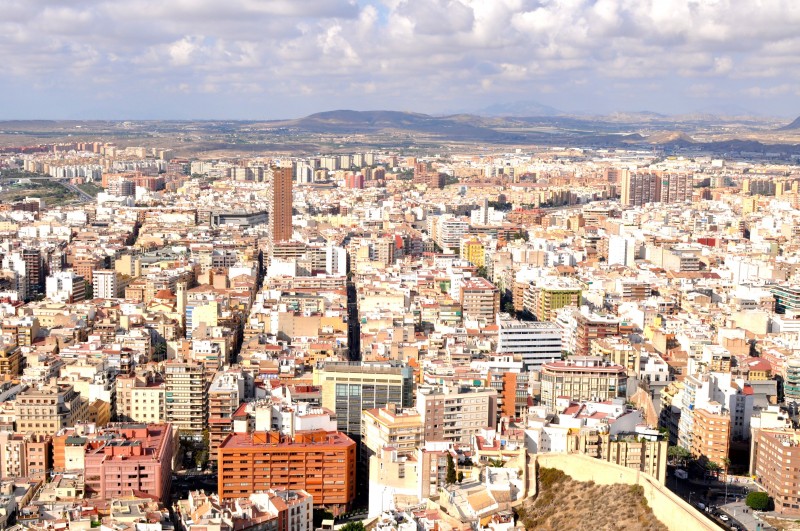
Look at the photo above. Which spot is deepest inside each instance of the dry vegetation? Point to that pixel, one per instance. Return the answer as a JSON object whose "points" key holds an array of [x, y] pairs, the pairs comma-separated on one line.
{"points": [[563, 503], [781, 524]]}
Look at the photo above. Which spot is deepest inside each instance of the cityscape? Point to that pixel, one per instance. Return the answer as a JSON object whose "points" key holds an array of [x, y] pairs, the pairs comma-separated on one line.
{"points": [[242, 290]]}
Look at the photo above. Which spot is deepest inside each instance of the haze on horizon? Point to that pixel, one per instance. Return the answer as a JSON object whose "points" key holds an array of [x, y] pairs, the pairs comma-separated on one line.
{"points": [[272, 59]]}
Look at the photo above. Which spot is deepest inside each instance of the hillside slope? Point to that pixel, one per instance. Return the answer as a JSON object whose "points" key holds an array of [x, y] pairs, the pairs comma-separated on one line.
{"points": [[563, 503]]}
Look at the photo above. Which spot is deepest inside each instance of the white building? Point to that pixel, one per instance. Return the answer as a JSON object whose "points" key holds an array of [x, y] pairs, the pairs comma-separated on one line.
{"points": [[621, 251], [537, 342], [65, 286], [105, 284]]}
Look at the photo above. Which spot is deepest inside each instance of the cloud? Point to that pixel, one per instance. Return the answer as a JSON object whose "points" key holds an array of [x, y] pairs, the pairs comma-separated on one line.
{"points": [[308, 55]]}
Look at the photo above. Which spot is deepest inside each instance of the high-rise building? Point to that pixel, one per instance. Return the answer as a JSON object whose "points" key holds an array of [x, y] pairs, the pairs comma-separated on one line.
{"points": [[34, 269], [280, 204], [224, 396], [621, 251], [640, 188], [321, 463], [348, 388], [187, 398]]}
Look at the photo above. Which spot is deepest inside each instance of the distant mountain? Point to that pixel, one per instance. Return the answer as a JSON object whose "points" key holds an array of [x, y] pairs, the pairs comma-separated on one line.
{"points": [[671, 138], [794, 126], [519, 108], [458, 127]]}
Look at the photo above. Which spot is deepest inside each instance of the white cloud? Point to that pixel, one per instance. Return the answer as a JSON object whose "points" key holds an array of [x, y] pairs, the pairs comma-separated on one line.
{"points": [[409, 51]]}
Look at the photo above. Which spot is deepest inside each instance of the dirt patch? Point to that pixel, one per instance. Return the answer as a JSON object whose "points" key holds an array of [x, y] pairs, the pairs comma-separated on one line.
{"points": [[563, 503]]}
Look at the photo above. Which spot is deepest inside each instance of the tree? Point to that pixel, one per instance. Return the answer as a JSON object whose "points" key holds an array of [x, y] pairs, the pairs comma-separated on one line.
{"points": [[497, 462], [460, 476], [481, 272], [678, 454], [451, 470], [759, 501], [352, 526]]}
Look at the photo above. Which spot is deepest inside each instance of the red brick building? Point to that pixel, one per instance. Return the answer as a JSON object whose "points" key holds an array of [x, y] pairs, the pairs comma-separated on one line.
{"points": [[321, 463]]}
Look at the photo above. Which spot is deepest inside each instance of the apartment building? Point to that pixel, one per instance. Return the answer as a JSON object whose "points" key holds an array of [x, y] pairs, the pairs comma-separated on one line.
{"points": [[141, 398], [25, 455], [186, 397], [225, 394], [47, 409], [480, 299], [388, 426], [321, 463], [545, 296], [593, 326], [456, 414], [711, 434], [582, 378], [775, 462], [128, 458], [10, 361]]}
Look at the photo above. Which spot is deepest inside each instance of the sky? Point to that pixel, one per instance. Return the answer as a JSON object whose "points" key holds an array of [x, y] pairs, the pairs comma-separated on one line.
{"points": [[272, 59]]}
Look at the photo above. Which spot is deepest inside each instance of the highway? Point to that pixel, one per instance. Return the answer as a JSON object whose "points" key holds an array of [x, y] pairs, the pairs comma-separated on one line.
{"points": [[82, 196]]}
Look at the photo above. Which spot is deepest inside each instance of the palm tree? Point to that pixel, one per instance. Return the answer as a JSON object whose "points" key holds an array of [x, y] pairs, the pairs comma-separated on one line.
{"points": [[496, 462]]}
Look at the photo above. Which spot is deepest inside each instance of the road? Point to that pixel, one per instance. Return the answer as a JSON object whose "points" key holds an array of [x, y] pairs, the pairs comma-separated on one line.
{"points": [[82, 196]]}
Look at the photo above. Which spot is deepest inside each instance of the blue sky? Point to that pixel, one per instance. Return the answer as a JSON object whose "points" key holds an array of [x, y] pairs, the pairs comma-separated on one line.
{"points": [[264, 59]]}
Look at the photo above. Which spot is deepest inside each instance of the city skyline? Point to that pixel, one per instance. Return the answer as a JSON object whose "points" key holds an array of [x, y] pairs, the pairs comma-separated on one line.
{"points": [[277, 59]]}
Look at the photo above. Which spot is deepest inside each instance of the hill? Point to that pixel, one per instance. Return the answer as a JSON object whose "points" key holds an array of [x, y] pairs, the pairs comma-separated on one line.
{"points": [[563, 503], [794, 126]]}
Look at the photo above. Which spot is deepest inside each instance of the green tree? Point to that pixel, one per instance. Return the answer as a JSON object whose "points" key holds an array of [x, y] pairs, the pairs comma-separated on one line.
{"points": [[481, 272], [678, 454], [497, 462], [760, 501], [451, 470], [352, 526], [460, 476]]}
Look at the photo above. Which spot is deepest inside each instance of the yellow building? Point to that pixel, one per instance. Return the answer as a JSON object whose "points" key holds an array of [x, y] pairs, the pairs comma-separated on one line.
{"points": [[474, 252], [618, 351], [10, 359], [49, 409], [100, 413], [388, 427]]}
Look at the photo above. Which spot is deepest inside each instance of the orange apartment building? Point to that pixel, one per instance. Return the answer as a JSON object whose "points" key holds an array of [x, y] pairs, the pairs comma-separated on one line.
{"points": [[775, 461], [321, 463], [711, 436]]}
